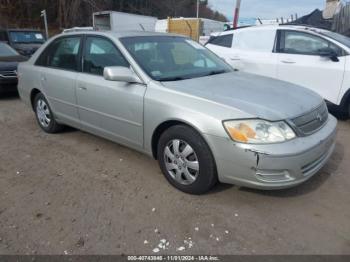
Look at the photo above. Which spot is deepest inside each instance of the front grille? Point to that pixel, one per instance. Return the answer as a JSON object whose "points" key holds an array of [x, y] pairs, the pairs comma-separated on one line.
{"points": [[8, 74], [311, 122]]}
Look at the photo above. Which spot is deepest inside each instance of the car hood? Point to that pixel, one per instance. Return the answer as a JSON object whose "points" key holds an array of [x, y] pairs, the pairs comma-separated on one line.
{"points": [[261, 97], [9, 63]]}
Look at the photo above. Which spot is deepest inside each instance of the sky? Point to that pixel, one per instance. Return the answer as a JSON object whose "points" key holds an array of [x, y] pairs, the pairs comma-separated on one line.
{"points": [[267, 9]]}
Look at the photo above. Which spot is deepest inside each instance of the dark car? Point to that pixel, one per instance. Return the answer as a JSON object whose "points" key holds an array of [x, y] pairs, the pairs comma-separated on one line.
{"points": [[25, 41], [9, 59]]}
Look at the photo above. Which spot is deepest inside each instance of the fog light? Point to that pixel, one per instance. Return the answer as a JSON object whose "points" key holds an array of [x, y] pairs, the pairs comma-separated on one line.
{"points": [[276, 176]]}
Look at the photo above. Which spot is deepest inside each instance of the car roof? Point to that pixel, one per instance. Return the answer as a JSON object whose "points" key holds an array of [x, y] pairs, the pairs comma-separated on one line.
{"points": [[120, 34], [304, 28]]}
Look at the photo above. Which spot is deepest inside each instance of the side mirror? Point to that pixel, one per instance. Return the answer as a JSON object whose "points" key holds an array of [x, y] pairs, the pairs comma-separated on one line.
{"points": [[329, 53], [121, 74]]}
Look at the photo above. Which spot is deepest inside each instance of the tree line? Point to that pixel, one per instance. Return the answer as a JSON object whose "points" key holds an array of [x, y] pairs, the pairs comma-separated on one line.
{"points": [[69, 13]]}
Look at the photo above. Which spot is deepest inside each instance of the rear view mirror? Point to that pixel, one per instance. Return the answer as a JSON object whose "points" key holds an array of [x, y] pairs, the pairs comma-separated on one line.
{"points": [[329, 53], [121, 74]]}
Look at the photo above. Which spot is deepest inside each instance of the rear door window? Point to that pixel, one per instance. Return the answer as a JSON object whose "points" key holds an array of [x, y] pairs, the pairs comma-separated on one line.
{"points": [[63, 53], [255, 40]]}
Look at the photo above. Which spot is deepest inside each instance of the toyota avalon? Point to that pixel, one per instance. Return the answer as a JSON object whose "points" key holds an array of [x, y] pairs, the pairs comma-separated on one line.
{"points": [[173, 99]]}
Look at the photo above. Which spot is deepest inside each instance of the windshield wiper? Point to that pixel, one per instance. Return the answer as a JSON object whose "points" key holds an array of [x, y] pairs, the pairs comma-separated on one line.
{"points": [[217, 72], [174, 78], [178, 78]]}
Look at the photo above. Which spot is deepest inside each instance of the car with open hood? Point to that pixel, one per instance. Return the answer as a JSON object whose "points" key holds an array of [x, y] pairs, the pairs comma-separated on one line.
{"points": [[171, 98]]}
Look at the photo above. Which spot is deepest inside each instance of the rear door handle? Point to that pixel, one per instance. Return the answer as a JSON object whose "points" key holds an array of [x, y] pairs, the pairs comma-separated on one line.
{"points": [[82, 88], [288, 61]]}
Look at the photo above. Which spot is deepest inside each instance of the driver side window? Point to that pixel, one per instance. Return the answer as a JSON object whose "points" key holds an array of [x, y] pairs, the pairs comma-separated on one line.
{"points": [[294, 42], [100, 53]]}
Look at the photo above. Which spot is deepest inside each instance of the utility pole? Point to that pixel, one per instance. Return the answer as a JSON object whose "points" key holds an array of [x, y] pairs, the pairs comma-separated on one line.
{"points": [[198, 8], [43, 14], [236, 15]]}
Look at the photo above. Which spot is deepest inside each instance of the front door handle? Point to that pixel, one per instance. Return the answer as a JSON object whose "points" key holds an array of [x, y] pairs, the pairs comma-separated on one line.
{"points": [[288, 61], [82, 88]]}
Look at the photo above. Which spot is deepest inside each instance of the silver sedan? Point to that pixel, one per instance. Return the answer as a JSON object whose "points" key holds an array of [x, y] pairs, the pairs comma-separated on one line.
{"points": [[171, 98]]}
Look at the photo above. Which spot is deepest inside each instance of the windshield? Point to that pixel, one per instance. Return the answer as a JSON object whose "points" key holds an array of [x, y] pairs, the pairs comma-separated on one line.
{"points": [[27, 37], [5, 51], [171, 58], [337, 37]]}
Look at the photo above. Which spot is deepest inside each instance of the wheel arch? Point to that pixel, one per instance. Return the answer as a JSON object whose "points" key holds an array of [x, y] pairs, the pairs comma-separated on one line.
{"points": [[33, 94], [161, 128], [346, 98]]}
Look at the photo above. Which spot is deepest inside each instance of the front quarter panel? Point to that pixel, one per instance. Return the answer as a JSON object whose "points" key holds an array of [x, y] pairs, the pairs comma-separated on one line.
{"points": [[163, 104]]}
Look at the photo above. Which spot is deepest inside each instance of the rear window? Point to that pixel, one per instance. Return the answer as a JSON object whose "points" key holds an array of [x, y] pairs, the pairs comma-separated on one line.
{"points": [[222, 40]]}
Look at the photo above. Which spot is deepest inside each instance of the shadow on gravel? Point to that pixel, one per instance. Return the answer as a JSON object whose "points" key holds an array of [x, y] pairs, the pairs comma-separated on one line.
{"points": [[68, 129], [220, 188], [9, 95], [310, 185]]}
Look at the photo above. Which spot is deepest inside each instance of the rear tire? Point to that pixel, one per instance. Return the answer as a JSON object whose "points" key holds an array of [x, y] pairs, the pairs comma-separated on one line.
{"points": [[44, 115], [186, 160]]}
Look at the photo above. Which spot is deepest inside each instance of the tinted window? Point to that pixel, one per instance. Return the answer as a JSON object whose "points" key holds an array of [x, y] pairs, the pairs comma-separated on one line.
{"points": [[222, 40], [63, 53], [100, 53], [167, 58], [293, 42], [3, 36], [26, 37]]}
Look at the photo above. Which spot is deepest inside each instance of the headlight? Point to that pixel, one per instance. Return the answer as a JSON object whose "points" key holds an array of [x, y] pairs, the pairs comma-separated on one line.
{"points": [[256, 131]]}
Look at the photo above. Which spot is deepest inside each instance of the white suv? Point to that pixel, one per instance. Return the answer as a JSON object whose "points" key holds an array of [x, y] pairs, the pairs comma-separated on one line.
{"points": [[314, 58]]}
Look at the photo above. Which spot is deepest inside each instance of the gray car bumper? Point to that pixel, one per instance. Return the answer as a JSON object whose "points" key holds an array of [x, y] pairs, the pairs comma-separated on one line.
{"points": [[274, 166]]}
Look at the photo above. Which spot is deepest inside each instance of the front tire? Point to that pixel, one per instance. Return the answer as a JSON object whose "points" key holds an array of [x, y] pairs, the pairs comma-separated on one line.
{"points": [[186, 160], [44, 115]]}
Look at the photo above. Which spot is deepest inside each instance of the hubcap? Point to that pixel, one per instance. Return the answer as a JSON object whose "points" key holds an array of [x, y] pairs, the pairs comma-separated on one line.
{"points": [[181, 162], [43, 113]]}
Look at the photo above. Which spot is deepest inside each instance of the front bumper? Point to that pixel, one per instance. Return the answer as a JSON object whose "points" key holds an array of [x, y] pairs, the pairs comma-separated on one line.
{"points": [[273, 166], [8, 84]]}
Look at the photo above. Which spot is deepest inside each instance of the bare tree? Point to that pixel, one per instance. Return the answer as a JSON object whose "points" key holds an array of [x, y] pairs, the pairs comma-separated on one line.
{"points": [[69, 13]]}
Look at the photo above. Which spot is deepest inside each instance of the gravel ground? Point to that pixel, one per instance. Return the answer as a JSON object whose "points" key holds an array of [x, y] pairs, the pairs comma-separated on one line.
{"points": [[74, 193]]}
